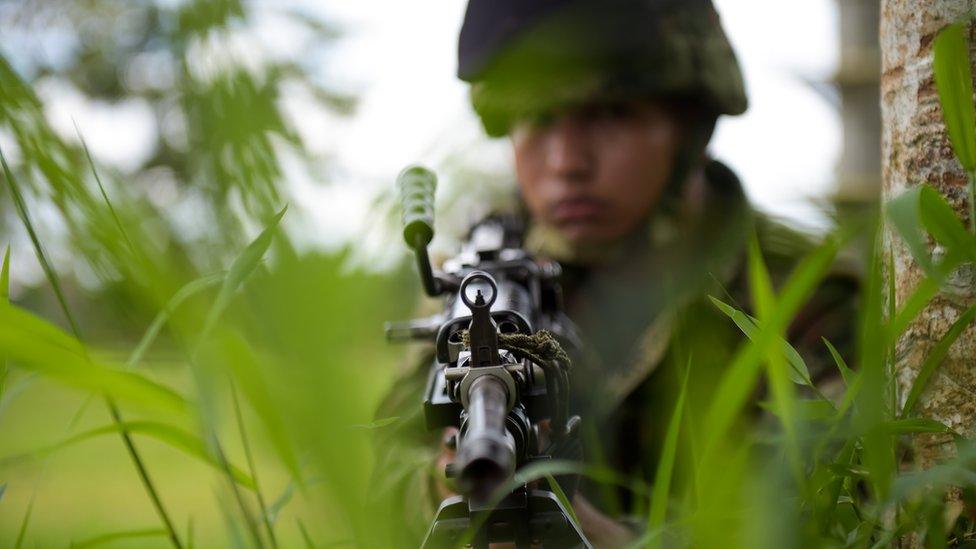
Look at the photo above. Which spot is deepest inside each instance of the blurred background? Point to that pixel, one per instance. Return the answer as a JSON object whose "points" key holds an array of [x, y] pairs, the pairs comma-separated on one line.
{"points": [[204, 119], [391, 98]]}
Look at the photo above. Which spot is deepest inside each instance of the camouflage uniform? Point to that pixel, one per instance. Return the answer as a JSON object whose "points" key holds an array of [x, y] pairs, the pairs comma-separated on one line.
{"points": [[641, 305]]}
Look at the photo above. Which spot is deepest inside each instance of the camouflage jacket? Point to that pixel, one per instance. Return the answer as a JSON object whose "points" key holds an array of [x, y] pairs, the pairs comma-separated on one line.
{"points": [[643, 312]]}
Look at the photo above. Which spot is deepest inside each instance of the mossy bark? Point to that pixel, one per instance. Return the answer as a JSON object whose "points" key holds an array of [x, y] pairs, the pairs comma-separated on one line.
{"points": [[916, 150]]}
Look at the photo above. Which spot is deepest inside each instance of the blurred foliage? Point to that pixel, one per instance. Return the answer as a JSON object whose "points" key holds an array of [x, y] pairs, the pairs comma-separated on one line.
{"points": [[242, 375], [198, 339], [214, 90]]}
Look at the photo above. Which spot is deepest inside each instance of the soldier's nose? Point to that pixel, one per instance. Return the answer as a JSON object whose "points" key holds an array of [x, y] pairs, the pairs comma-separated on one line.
{"points": [[569, 156]]}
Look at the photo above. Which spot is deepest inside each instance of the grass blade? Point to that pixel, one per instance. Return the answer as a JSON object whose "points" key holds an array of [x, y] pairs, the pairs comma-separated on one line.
{"points": [[665, 467], [42, 347], [935, 358], [242, 362], [240, 269], [764, 299], [22, 531], [917, 425], [113, 409], [170, 435], [739, 378], [111, 537], [149, 336], [872, 406], [561, 496], [305, 536], [4, 299], [799, 373], [101, 188], [251, 468], [39, 250], [845, 372], [189, 290]]}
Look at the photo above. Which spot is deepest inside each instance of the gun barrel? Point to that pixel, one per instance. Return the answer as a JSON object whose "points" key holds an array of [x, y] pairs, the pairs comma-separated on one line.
{"points": [[486, 453]]}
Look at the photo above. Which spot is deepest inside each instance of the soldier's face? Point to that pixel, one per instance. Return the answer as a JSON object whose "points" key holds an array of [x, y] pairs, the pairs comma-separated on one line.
{"points": [[596, 172]]}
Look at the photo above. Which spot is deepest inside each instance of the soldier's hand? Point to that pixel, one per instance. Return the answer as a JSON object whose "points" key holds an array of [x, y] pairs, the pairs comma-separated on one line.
{"points": [[447, 454], [602, 531]]}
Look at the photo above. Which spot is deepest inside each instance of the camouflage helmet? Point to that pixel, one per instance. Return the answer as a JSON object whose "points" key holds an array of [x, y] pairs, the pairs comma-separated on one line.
{"points": [[525, 57]]}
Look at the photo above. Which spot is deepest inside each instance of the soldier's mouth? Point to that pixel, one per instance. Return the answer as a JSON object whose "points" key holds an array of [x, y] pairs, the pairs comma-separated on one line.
{"points": [[578, 210]]}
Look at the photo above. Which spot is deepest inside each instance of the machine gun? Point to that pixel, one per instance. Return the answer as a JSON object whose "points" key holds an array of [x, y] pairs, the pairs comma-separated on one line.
{"points": [[500, 376]]}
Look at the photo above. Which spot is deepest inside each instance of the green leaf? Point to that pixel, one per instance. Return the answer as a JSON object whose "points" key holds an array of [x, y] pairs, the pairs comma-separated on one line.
{"points": [[920, 297], [836, 484], [917, 425], [378, 423], [242, 267], [943, 223], [954, 82], [845, 373], [847, 470], [935, 358], [739, 379], [42, 347], [798, 372], [119, 536], [903, 212], [923, 209]]}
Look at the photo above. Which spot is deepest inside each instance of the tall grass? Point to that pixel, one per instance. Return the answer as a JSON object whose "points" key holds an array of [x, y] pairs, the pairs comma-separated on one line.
{"points": [[242, 375]]}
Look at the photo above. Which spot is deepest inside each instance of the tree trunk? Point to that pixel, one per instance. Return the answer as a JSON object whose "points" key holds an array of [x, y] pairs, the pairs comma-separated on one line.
{"points": [[915, 149]]}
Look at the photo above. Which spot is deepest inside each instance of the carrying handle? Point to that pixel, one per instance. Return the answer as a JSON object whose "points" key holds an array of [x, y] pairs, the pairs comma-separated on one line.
{"points": [[417, 185]]}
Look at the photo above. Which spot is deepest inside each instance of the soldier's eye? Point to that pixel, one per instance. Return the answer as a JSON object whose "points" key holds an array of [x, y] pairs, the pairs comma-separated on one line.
{"points": [[542, 120], [616, 110]]}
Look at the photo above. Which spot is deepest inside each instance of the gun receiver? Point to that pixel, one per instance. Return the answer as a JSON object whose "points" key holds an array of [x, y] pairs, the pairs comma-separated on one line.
{"points": [[496, 392]]}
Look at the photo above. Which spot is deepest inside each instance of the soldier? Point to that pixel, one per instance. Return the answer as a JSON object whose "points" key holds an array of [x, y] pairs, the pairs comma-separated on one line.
{"points": [[609, 106]]}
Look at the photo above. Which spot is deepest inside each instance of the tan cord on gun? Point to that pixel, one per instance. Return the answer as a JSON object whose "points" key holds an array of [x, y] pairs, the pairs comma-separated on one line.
{"points": [[540, 347]]}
